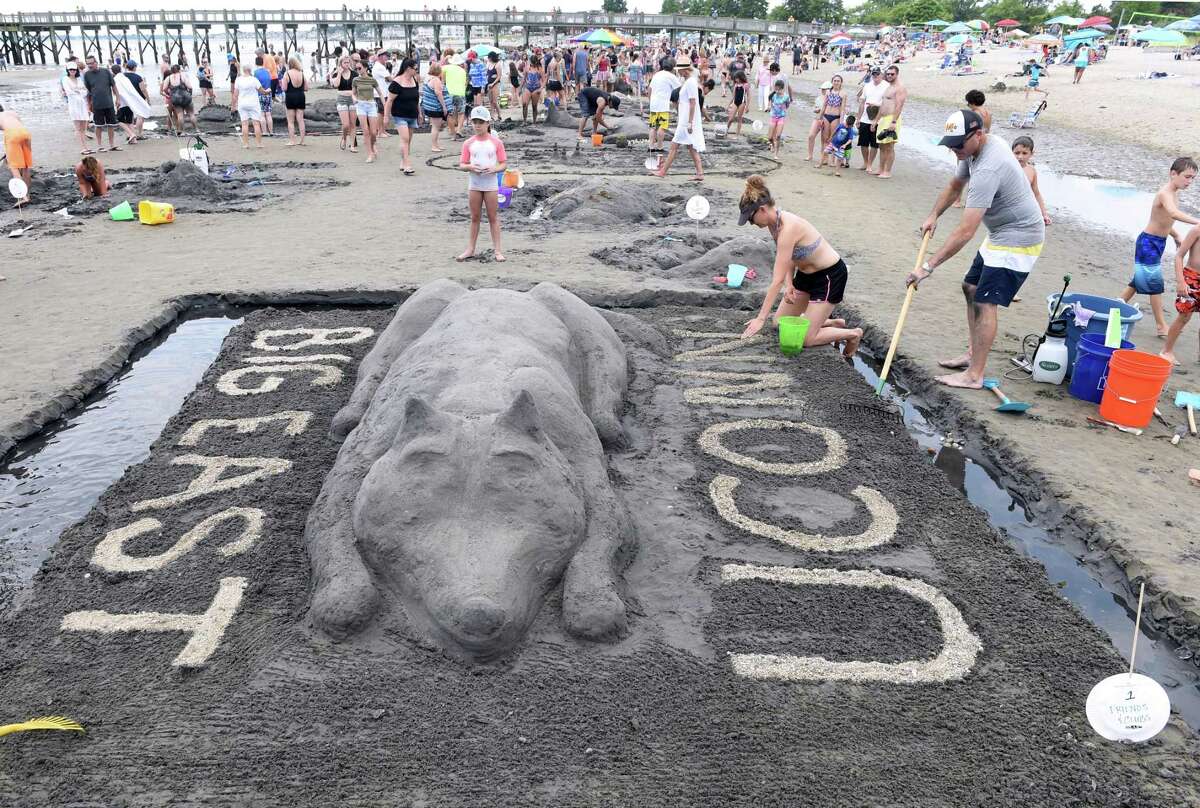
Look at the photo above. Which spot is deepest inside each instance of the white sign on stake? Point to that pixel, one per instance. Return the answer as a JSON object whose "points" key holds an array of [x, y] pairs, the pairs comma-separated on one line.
{"points": [[1129, 706], [697, 208], [18, 188]]}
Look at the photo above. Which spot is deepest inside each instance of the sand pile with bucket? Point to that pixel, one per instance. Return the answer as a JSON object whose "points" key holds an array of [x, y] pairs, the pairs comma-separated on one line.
{"points": [[603, 203], [182, 179]]}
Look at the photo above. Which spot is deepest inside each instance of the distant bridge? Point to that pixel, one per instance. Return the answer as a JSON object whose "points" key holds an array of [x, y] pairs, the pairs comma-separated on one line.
{"points": [[47, 38]]}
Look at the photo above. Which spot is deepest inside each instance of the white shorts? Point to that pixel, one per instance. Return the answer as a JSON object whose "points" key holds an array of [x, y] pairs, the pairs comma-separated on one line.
{"points": [[367, 109], [250, 113]]}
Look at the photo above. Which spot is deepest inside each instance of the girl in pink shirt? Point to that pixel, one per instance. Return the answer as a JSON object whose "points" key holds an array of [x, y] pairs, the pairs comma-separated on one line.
{"points": [[483, 159]]}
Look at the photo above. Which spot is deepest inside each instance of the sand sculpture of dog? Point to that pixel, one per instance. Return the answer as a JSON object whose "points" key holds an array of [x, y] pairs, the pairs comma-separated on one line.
{"points": [[473, 477]]}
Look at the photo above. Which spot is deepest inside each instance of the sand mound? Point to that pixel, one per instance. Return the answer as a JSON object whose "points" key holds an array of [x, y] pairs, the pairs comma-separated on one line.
{"points": [[682, 253], [182, 179], [215, 113], [752, 251], [617, 124], [603, 203]]}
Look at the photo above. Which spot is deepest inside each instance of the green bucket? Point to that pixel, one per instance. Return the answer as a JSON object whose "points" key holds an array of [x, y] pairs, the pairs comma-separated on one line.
{"points": [[792, 331], [122, 212]]}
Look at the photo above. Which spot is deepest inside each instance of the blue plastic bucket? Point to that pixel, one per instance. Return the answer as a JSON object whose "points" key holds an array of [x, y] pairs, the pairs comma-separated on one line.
{"points": [[1099, 322], [735, 275], [1091, 367]]}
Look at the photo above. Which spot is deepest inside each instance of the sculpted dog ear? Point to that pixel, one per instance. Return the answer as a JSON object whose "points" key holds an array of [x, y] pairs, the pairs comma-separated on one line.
{"points": [[419, 418], [522, 416]]}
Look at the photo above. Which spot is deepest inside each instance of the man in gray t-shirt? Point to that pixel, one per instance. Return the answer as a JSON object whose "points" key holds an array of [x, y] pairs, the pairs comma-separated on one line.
{"points": [[1001, 198]]}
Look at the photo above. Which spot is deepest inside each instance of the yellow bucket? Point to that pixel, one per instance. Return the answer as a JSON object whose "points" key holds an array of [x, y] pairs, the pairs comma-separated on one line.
{"points": [[155, 212]]}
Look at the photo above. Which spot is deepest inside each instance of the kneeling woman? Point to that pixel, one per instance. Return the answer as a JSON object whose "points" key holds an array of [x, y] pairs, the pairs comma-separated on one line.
{"points": [[807, 267]]}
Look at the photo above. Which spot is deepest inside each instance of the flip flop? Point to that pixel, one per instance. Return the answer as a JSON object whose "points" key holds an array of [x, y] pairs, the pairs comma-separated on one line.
{"points": [[751, 274], [408, 172]]}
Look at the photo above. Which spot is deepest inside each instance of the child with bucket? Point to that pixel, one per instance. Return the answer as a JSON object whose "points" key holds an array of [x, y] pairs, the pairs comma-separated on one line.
{"points": [[1187, 289], [483, 158], [812, 272]]}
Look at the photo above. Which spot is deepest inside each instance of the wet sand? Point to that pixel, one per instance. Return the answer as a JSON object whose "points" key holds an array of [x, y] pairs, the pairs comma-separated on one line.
{"points": [[972, 697], [73, 306]]}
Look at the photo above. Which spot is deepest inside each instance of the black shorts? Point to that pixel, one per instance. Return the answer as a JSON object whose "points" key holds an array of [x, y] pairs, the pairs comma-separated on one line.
{"points": [[435, 113], [866, 136], [826, 286], [104, 117], [995, 285], [473, 91], [205, 84], [554, 86], [125, 115]]}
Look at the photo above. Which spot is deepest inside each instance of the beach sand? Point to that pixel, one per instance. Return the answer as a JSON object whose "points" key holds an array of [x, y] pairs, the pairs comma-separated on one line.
{"points": [[70, 304]]}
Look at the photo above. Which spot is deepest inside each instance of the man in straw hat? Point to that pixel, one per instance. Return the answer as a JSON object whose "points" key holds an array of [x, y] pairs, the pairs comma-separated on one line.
{"points": [[688, 131]]}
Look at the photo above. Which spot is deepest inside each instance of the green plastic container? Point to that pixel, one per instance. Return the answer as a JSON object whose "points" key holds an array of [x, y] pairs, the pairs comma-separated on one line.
{"points": [[122, 212], [792, 331]]}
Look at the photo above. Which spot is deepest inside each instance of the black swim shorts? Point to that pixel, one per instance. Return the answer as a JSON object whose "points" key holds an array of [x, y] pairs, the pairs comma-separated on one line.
{"points": [[866, 136], [995, 285], [824, 286]]}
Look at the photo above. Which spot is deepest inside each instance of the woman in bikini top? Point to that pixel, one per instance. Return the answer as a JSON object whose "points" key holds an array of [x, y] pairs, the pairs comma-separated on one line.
{"points": [[807, 270]]}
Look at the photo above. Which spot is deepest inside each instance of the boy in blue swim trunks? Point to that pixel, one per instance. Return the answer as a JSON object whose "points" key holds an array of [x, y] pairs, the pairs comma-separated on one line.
{"points": [[1150, 245]]}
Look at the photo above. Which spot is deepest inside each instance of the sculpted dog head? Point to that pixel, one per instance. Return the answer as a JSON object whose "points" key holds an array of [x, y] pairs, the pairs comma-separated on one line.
{"points": [[471, 521]]}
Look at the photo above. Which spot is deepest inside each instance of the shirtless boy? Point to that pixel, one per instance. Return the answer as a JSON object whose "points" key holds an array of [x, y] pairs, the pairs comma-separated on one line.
{"points": [[1187, 289], [18, 149], [1150, 245]]}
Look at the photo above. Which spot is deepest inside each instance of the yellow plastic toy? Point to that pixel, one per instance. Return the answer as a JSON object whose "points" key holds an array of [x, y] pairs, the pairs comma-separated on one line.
{"points": [[47, 722], [155, 212]]}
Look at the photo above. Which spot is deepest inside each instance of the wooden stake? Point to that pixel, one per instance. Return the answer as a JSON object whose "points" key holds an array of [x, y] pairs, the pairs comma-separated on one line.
{"points": [[1137, 626], [887, 363]]}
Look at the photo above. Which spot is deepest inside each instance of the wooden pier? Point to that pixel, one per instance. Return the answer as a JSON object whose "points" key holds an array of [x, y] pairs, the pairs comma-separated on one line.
{"points": [[48, 38]]}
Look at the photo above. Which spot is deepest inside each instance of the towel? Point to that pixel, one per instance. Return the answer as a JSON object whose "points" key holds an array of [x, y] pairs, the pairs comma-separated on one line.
{"points": [[1082, 315]]}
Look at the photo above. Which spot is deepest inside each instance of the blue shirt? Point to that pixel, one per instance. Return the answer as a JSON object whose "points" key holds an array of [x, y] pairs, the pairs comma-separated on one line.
{"points": [[478, 74], [841, 136], [581, 62], [264, 77]]}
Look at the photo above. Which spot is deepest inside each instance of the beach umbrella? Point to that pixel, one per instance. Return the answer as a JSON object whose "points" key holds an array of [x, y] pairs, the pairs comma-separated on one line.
{"points": [[1082, 35], [1063, 19], [1159, 36], [1044, 39], [957, 28], [1096, 20], [599, 36], [482, 51], [958, 39], [979, 25], [838, 35], [1185, 25], [859, 32], [1017, 33], [1007, 24], [937, 23], [839, 41]]}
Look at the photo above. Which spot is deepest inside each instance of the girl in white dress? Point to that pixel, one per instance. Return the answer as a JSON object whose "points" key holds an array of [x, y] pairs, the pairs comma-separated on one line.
{"points": [[77, 107]]}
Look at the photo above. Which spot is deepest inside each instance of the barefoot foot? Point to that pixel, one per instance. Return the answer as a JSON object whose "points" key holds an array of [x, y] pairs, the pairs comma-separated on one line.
{"points": [[960, 380], [464, 256], [852, 343], [957, 363], [1170, 357]]}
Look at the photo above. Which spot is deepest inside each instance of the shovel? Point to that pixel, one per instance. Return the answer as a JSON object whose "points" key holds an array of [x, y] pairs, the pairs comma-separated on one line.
{"points": [[1006, 403], [1189, 401], [20, 231], [887, 363]]}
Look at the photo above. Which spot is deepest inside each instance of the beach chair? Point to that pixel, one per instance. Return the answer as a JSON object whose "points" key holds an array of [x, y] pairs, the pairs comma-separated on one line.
{"points": [[1026, 120]]}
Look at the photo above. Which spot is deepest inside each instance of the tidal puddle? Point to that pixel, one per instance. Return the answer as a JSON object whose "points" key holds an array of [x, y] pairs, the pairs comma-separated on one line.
{"points": [[1107, 604], [53, 479]]}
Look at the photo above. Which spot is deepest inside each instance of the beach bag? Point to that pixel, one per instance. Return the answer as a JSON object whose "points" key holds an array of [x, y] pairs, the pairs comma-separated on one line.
{"points": [[181, 95]]}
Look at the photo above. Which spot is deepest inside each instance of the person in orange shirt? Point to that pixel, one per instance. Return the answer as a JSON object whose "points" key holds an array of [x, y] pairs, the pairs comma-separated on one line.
{"points": [[18, 147]]}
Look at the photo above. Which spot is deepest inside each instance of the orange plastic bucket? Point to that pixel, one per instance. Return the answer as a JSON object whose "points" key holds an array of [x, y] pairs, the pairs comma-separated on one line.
{"points": [[1135, 381], [512, 179], [597, 140]]}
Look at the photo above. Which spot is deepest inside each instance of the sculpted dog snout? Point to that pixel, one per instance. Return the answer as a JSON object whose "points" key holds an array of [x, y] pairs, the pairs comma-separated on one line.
{"points": [[480, 618]]}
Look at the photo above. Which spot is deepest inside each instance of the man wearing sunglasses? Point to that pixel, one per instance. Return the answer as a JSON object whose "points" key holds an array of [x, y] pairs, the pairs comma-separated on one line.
{"points": [[887, 131], [999, 196]]}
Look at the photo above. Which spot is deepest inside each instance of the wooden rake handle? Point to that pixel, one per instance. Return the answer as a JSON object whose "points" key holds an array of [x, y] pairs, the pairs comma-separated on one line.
{"points": [[887, 363]]}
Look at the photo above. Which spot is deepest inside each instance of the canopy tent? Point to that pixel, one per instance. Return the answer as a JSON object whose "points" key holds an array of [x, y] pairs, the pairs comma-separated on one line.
{"points": [[936, 24], [1017, 33], [1007, 24], [1096, 20], [1044, 39], [1063, 19], [978, 25], [1159, 36], [958, 39], [957, 28]]}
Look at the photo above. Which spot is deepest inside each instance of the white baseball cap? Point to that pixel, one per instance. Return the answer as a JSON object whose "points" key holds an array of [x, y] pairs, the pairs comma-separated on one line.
{"points": [[481, 114]]}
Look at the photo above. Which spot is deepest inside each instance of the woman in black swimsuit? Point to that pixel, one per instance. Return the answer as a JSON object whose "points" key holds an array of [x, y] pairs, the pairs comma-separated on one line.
{"points": [[492, 90], [812, 272], [294, 85]]}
